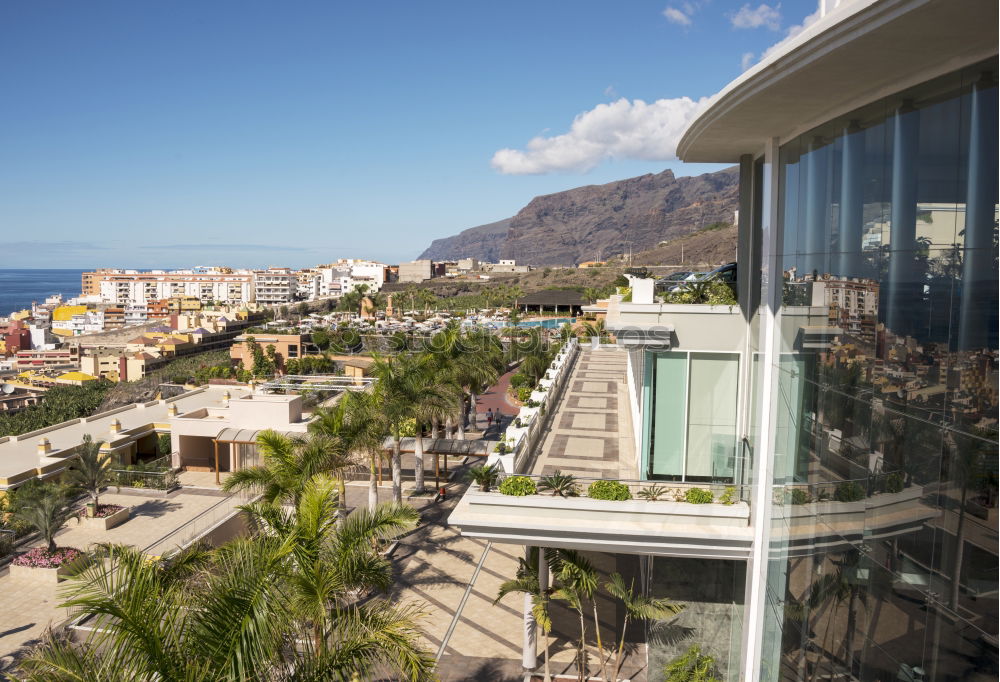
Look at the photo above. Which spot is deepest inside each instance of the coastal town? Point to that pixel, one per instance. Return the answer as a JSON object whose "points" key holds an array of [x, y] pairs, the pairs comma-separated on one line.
{"points": [[727, 425]]}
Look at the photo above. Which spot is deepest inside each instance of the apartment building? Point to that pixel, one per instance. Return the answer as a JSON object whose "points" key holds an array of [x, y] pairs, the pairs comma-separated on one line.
{"points": [[851, 525], [124, 287], [275, 286], [416, 271]]}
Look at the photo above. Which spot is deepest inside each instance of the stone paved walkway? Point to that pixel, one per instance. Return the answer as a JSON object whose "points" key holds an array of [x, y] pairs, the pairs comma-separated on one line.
{"points": [[591, 428], [30, 607]]}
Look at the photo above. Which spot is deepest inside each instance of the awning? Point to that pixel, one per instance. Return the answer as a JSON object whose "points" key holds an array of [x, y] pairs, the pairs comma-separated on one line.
{"points": [[248, 436]]}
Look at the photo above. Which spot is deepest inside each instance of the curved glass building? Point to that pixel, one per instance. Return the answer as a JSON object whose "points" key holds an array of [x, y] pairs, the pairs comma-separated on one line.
{"points": [[868, 258]]}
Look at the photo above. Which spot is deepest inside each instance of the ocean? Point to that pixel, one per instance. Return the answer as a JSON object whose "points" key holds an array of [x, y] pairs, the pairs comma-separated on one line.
{"points": [[18, 288]]}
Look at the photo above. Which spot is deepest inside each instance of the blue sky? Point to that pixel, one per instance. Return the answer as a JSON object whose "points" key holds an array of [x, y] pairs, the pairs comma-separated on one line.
{"points": [[246, 133]]}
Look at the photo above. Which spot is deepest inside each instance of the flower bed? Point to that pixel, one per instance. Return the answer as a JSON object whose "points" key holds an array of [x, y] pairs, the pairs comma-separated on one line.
{"points": [[107, 516], [40, 557], [106, 510], [40, 565]]}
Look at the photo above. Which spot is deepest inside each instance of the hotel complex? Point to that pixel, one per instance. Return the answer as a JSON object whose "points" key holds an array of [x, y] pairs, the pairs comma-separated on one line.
{"points": [[845, 411]]}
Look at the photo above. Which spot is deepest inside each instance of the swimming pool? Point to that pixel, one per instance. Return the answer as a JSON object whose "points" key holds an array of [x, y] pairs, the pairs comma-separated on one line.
{"points": [[548, 324]]}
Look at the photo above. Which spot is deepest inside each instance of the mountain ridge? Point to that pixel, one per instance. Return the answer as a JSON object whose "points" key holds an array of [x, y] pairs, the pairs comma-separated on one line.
{"points": [[594, 222]]}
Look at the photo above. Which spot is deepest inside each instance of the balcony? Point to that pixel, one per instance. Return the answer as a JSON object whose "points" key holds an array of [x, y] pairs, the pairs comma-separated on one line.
{"points": [[586, 431]]}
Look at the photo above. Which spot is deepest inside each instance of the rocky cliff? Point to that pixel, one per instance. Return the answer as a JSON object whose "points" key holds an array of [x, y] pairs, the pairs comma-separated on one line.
{"points": [[599, 221]]}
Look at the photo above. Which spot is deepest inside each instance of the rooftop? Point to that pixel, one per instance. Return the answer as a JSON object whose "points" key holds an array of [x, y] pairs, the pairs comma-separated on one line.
{"points": [[20, 458], [895, 43]]}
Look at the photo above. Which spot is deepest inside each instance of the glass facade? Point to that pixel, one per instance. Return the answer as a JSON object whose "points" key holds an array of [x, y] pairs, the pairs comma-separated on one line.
{"points": [[691, 401], [883, 559]]}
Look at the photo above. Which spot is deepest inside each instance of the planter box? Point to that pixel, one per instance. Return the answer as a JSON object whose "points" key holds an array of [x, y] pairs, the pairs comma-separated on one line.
{"points": [[39, 575], [107, 522], [145, 492]]}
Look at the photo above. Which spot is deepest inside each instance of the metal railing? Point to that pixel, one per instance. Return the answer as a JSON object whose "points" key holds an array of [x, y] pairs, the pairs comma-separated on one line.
{"points": [[841, 490], [141, 478], [653, 491], [196, 528], [7, 540]]}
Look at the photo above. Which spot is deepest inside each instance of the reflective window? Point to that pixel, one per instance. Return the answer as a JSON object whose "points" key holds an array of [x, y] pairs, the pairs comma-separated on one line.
{"points": [[884, 551]]}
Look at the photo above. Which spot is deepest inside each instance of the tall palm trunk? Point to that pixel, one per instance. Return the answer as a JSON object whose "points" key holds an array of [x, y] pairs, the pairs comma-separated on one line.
{"points": [[418, 457], [621, 648], [600, 645], [448, 427], [342, 494], [397, 469], [373, 483], [435, 428], [582, 648], [461, 424]]}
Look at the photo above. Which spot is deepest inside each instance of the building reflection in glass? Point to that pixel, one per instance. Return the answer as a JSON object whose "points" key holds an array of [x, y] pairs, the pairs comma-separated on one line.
{"points": [[884, 550]]}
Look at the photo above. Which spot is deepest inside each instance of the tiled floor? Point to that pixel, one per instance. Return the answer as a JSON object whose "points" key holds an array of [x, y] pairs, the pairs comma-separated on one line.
{"points": [[591, 434], [29, 607]]}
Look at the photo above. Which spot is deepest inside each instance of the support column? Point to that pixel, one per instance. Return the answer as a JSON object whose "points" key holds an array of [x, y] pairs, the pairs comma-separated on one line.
{"points": [[817, 207], [904, 293], [216, 444], [529, 649], [851, 224], [978, 322]]}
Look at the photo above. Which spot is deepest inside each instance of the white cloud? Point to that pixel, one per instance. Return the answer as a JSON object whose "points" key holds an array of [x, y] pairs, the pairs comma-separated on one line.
{"points": [[676, 16], [792, 32], [617, 130], [764, 15], [746, 61]]}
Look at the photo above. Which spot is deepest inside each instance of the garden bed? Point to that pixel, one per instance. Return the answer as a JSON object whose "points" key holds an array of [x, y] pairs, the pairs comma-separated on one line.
{"points": [[107, 516], [41, 566]]}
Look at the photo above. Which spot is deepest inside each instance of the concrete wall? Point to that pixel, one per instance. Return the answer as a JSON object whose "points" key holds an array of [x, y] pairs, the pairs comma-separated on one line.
{"points": [[696, 327]]}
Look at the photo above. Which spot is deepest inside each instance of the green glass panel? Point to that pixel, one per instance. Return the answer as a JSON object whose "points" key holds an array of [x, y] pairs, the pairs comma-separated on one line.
{"points": [[666, 454], [711, 446]]}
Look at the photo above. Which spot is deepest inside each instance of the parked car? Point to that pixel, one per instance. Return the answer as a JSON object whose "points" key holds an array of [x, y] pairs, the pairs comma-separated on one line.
{"points": [[724, 273]]}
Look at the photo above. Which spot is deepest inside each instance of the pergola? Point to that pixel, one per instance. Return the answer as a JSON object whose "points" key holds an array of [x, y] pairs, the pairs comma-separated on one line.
{"points": [[449, 447], [553, 300], [240, 437]]}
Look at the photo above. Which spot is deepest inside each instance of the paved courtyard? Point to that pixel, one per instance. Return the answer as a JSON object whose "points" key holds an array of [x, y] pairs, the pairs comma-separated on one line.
{"points": [[29, 607]]}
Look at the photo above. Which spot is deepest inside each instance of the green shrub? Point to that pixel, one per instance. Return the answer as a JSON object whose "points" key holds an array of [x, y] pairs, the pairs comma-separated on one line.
{"points": [[163, 444], [849, 491], [518, 380], [653, 492], [518, 486], [609, 490], [729, 495], [698, 496], [894, 482], [800, 496], [692, 666], [524, 394]]}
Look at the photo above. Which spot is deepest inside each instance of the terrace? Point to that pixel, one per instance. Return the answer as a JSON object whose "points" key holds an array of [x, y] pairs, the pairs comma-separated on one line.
{"points": [[583, 427]]}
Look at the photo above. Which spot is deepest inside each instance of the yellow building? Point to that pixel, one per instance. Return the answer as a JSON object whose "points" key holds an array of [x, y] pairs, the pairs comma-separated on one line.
{"points": [[75, 378]]}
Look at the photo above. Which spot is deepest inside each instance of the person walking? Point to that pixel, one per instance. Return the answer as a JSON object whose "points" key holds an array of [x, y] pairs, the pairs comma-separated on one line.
{"points": [[489, 418]]}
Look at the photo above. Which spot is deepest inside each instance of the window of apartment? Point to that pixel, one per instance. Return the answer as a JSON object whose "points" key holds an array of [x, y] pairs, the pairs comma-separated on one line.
{"points": [[690, 424], [293, 350]]}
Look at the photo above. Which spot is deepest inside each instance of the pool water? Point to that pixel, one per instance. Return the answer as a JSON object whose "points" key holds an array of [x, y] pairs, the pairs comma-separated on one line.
{"points": [[554, 323]]}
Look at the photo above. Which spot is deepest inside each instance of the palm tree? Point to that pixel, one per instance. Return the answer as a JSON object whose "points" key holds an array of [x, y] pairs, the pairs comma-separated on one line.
{"points": [[579, 581], [90, 472], [341, 426], [222, 615], [288, 463], [332, 561], [596, 331], [46, 510], [428, 408], [401, 382], [637, 607], [526, 582], [967, 453], [360, 429]]}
